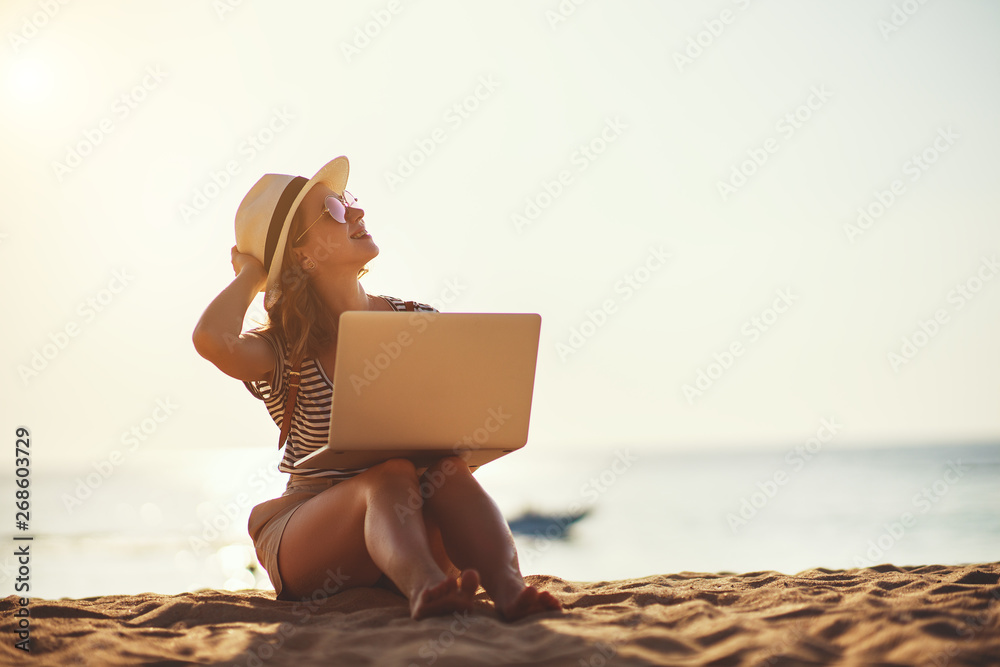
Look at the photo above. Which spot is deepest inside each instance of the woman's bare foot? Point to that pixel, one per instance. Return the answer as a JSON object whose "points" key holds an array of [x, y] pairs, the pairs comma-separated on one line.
{"points": [[529, 601], [446, 596]]}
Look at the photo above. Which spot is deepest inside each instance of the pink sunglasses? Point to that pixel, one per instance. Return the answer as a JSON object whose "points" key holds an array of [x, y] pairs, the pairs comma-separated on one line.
{"points": [[336, 207]]}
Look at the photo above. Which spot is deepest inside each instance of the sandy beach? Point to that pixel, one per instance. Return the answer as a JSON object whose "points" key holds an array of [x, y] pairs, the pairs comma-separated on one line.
{"points": [[884, 615]]}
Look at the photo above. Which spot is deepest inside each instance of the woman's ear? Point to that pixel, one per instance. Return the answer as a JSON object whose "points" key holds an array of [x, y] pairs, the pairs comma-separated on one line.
{"points": [[303, 261]]}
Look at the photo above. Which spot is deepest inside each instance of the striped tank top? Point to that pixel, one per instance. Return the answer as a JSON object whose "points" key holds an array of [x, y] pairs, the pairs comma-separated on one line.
{"points": [[311, 420]]}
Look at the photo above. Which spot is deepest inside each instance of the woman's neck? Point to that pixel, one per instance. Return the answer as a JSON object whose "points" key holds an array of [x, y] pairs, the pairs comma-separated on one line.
{"points": [[341, 295]]}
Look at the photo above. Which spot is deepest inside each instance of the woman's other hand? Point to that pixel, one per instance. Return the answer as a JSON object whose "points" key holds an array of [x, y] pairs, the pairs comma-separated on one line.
{"points": [[243, 262]]}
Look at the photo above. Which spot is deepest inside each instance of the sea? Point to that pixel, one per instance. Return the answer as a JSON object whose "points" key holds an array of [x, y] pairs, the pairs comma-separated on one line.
{"points": [[158, 523]]}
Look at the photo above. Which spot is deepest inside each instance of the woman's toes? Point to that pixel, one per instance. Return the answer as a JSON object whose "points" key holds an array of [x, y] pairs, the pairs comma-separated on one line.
{"points": [[530, 601], [469, 583], [446, 596]]}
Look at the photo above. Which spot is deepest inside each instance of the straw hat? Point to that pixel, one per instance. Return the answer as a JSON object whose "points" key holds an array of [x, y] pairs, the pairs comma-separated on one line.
{"points": [[265, 216]]}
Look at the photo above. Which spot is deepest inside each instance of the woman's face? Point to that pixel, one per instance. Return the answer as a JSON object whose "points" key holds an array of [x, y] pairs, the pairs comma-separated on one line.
{"points": [[333, 245]]}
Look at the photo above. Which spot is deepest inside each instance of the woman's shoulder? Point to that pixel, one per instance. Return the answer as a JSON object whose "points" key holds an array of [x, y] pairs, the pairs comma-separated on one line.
{"points": [[274, 385], [268, 333], [273, 337], [400, 304]]}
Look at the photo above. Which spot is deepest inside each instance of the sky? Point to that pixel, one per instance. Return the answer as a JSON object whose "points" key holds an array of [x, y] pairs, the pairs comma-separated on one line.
{"points": [[741, 221]]}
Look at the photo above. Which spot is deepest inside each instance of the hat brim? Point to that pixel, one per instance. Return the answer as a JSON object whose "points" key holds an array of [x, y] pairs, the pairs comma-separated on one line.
{"points": [[334, 175]]}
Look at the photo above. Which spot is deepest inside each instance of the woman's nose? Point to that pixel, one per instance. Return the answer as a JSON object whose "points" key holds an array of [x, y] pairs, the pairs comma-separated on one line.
{"points": [[354, 213]]}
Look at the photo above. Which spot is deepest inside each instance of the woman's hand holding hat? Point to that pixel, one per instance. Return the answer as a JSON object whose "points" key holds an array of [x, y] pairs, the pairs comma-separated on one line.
{"points": [[244, 262]]}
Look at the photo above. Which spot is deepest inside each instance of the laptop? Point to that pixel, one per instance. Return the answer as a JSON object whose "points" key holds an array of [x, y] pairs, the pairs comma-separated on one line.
{"points": [[423, 385]]}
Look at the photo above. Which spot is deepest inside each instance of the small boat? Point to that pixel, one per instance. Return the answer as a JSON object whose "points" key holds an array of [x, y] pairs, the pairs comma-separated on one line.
{"points": [[548, 526]]}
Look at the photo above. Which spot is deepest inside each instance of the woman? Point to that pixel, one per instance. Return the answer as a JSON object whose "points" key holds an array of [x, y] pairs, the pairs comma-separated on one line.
{"points": [[304, 243]]}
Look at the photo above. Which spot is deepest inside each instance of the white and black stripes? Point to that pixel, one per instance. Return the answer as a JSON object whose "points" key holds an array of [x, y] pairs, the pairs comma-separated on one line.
{"points": [[311, 421]]}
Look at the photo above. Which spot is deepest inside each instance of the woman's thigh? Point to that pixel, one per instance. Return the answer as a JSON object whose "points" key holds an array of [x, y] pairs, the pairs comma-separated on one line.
{"points": [[324, 541]]}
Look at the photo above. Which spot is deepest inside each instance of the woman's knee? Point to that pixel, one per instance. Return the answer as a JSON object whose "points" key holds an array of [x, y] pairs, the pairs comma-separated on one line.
{"points": [[451, 466], [444, 472], [394, 468]]}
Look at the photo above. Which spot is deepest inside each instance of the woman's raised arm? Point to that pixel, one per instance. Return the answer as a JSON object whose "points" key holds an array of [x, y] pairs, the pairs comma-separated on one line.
{"points": [[218, 336]]}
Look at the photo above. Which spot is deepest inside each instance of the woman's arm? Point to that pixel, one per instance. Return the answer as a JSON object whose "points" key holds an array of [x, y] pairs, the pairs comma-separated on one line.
{"points": [[218, 335]]}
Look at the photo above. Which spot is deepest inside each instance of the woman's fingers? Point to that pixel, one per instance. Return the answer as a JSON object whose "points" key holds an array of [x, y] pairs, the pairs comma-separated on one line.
{"points": [[242, 260]]}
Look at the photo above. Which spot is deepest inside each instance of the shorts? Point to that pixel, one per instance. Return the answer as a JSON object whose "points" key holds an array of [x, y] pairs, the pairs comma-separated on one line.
{"points": [[269, 518]]}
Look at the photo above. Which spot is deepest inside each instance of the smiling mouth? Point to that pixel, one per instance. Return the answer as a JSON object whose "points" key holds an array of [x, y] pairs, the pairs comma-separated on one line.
{"points": [[360, 234]]}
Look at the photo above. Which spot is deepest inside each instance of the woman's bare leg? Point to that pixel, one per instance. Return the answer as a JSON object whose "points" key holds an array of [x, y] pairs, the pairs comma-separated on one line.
{"points": [[476, 536], [354, 529]]}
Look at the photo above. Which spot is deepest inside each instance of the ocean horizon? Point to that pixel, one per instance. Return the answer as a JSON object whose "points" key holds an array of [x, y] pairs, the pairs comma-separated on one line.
{"points": [[159, 524]]}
